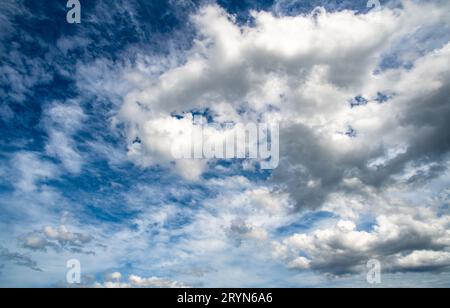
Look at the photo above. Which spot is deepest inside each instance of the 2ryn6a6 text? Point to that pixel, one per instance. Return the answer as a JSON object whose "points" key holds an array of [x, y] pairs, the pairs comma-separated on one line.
{"points": [[247, 298]]}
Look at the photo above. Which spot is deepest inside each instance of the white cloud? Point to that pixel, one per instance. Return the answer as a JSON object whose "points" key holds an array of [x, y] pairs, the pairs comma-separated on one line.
{"points": [[135, 281], [154, 282], [32, 170], [62, 122], [423, 261], [59, 238], [343, 249], [117, 276]]}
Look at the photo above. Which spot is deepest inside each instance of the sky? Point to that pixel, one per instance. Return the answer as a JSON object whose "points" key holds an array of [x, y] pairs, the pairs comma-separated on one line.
{"points": [[89, 112]]}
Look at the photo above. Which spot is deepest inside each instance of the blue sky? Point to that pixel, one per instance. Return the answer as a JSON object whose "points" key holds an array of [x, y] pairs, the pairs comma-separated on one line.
{"points": [[89, 111]]}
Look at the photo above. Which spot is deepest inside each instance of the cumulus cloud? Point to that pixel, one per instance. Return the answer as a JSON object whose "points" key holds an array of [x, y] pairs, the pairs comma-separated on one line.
{"points": [[299, 65], [401, 242], [423, 261]]}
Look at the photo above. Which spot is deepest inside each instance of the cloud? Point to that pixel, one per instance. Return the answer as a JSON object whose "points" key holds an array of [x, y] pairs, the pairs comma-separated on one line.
{"points": [[299, 65], [19, 73], [135, 281], [56, 238], [423, 261], [324, 157], [154, 282], [32, 170], [401, 242], [63, 121], [18, 259]]}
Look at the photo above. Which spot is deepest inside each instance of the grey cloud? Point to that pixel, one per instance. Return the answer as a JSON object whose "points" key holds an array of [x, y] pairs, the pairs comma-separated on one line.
{"points": [[421, 262], [57, 239], [18, 259], [305, 155], [310, 170], [427, 119], [402, 243]]}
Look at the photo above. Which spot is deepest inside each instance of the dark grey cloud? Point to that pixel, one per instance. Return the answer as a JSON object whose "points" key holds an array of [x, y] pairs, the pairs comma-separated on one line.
{"points": [[305, 158], [305, 155]]}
